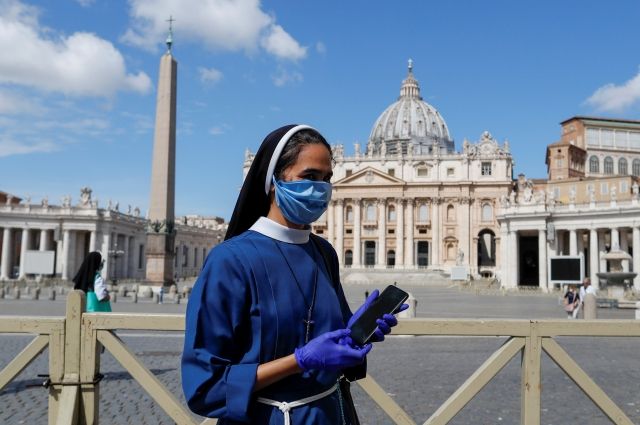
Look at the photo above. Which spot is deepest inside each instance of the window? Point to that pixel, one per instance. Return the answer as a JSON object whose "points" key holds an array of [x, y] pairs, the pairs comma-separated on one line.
{"points": [[594, 164], [423, 172], [349, 214], [451, 172], [635, 168], [593, 137], [486, 168], [423, 213], [608, 165], [349, 172], [487, 212], [451, 213], [349, 231], [606, 137], [320, 231], [391, 172], [622, 167], [422, 231], [624, 187], [195, 257], [392, 213], [141, 256], [371, 212], [348, 258], [604, 188]]}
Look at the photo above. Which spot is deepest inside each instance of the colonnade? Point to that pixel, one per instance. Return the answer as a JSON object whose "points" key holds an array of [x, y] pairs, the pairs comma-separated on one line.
{"points": [[592, 242], [70, 249]]}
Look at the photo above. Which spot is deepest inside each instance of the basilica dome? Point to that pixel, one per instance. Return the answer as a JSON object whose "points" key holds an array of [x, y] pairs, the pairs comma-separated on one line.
{"points": [[411, 124]]}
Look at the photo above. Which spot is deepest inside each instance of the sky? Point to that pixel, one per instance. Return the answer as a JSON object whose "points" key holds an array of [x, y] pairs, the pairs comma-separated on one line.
{"points": [[78, 79]]}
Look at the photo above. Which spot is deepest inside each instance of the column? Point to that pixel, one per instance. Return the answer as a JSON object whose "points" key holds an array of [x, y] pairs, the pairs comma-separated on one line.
{"points": [[515, 257], [330, 223], [340, 231], [44, 240], [23, 252], [542, 260], [435, 232], [382, 233], [106, 247], [408, 252], [636, 257], [601, 251], [92, 241], [399, 233], [624, 246], [357, 233], [615, 239], [594, 264], [7, 248], [580, 242], [502, 262], [66, 252], [573, 242], [125, 257], [463, 226]]}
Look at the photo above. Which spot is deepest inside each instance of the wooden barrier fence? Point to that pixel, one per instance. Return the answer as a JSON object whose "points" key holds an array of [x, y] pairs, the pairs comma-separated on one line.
{"points": [[74, 361]]}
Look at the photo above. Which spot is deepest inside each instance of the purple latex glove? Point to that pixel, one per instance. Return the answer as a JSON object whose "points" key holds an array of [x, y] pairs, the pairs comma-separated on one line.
{"points": [[385, 323], [325, 352]]}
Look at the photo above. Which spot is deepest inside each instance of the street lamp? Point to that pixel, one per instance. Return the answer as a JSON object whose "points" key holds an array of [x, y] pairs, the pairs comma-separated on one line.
{"points": [[113, 255]]}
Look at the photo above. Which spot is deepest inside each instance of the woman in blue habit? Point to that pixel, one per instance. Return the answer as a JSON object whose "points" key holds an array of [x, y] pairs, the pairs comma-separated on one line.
{"points": [[267, 336]]}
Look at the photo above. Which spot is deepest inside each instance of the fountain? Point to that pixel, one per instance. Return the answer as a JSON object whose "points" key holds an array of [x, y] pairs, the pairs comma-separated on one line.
{"points": [[615, 280]]}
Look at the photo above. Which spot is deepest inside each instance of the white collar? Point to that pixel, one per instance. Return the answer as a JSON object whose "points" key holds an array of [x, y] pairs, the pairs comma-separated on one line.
{"points": [[279, 232]]}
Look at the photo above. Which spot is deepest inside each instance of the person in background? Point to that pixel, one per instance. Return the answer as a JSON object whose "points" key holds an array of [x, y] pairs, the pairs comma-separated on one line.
{"points": [[89, 280], [586, 289], [571, 302]]}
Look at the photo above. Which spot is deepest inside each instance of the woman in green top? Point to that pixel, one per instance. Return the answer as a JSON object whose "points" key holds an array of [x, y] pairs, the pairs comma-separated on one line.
{"points": [[89, 280]]}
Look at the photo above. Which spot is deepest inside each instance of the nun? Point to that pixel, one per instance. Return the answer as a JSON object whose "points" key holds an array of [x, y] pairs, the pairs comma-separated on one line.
{"points": [[89, 279], [267, 336]]}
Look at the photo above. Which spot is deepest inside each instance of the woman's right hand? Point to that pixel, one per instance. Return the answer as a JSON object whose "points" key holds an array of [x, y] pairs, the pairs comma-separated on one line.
{"points": [[325, 352]]}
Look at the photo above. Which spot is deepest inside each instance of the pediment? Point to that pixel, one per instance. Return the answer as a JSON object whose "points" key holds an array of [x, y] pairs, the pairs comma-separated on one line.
{"points": [[369, 176]]}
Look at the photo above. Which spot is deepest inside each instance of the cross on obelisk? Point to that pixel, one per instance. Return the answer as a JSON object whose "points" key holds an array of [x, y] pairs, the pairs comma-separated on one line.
{"points": [[161, 227]]}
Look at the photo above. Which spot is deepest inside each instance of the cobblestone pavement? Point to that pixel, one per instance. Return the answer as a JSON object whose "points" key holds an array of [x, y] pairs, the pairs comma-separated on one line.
{"points": [[420, 373]]}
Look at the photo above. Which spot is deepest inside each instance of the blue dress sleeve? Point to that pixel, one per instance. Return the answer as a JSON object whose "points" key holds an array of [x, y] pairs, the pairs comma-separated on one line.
{"points": [[217, 374]]}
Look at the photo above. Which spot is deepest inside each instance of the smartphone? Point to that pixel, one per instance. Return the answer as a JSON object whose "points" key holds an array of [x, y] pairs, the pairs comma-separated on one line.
{"points": [[388, 301]]}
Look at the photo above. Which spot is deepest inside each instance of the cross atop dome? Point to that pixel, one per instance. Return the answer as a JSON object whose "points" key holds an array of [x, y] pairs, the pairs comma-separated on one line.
{"points": [[410, 87]]}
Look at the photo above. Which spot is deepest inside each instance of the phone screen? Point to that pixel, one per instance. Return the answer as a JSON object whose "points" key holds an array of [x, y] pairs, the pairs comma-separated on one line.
{"points": [[389, 301]]}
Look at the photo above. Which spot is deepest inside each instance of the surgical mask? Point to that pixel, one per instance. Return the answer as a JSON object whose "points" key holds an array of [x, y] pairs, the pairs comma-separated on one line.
{"points": [[302, 201]]}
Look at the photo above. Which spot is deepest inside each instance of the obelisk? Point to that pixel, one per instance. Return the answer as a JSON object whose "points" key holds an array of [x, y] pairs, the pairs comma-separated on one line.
{"points": [[161, 225]]}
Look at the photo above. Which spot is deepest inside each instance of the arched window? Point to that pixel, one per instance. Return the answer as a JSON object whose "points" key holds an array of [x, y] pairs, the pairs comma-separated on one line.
{"points": [[371, 212], [348, 258], [391, 258], [349, 214], [594, 164], [622, 167], [487, 212], [636, 167], [608, 165], [423, 213], [392, 214], [451, 213]]}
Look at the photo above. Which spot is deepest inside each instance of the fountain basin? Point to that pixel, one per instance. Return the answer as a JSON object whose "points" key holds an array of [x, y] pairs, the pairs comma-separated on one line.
{"points": [[614, 283]]}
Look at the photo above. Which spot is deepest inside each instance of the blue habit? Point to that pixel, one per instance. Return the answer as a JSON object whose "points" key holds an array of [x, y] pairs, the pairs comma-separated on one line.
{"points": [[246, 309]]}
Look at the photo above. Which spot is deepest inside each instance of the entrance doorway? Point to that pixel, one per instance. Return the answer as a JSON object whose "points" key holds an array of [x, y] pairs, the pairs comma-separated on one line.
{"points": [[423, 254], [528, 261], [369, 253]]}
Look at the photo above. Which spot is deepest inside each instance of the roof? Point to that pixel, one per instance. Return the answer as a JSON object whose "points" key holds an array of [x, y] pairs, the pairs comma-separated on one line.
{"points": [[604, 119]]}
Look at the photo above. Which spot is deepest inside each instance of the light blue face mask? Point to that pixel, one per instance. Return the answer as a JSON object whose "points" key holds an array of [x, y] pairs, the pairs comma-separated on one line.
{"points": [[302, 201]]}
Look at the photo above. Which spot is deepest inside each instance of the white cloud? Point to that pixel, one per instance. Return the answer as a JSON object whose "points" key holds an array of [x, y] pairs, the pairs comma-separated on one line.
{"points": [[284, 77], [81, 64], [209, 75], [13, 103], [85, 3], [219, 129], [613, 98], [279, 43], [10, 147], [219, 24]]}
